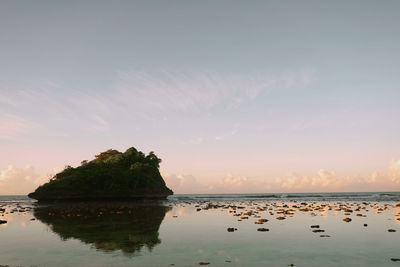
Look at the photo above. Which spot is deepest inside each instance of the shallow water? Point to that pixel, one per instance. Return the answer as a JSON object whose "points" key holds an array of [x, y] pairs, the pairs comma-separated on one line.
{"points": [[189, 229]]}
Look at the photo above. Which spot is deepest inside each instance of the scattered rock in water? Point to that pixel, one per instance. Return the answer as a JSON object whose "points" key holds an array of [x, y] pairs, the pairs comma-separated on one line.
{"points": [[280, 218], [198, 209], [391, 230], [231, 229], [263, 229], [3, 222], [394, 259], [347, 219], [365, 225], [174, 216], [228, 261], [204, 263], [318, 231], [263, 220], [314, 226], [324, 236], [33, 219]]}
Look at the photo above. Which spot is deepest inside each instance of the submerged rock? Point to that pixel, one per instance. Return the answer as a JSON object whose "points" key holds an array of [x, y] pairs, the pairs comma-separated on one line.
{"points": [[111, 175]]}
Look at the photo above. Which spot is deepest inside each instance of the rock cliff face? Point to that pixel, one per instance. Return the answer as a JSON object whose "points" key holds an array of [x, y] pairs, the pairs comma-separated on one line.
{"points": [[111, 175]]}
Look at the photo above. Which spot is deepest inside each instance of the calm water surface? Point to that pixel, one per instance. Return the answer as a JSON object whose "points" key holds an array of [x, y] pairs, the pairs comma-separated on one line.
{"points": [[187, 230]]}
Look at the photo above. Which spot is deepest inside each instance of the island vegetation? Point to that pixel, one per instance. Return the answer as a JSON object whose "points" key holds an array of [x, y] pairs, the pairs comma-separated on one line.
{"points": [[111, 175]]}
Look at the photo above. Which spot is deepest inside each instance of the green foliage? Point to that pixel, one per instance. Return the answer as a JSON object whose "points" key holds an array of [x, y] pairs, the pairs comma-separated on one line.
{"points": [[104, 155]]}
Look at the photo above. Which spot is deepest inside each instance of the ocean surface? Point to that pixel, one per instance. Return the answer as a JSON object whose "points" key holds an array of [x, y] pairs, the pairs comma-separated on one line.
{"points": [[310, 229]]}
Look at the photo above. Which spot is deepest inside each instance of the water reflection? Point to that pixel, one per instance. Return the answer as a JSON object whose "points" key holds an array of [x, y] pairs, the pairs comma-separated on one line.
{"points": [[107, 226]]}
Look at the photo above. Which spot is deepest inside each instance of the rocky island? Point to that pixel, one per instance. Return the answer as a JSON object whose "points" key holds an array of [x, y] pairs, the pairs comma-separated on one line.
{"points": [[111, 175]]}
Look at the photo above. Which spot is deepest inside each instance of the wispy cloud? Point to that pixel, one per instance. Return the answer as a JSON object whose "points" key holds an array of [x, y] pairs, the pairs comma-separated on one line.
{"points": [[12, 127], [140, 96], [233, 132], [201, 91]]}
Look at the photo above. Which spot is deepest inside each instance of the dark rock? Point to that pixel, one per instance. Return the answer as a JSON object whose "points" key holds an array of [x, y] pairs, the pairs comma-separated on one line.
{"points": [[318, 231], [365, 225], [204, 263], [3, 222], [391, 230], [394, 259], [263, 229], [314, 226]]}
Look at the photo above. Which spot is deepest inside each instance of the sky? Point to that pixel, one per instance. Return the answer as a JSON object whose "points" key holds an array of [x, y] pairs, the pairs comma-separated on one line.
{"points": [[234, 96]]}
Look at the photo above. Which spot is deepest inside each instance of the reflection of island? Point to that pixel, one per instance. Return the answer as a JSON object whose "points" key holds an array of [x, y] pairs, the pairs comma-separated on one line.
{"points": [[107, 226]]}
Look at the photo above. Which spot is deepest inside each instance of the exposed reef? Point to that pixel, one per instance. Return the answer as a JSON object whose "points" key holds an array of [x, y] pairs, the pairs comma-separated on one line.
{"points": [[111, 175]]}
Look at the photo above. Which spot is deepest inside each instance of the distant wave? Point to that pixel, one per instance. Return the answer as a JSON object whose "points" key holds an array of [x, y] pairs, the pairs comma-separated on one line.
{"points": [[347, 196], [14, 199], [364, 196]]}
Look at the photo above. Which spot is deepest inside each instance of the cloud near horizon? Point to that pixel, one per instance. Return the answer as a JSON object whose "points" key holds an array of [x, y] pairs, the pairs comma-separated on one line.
{"points": [[21, 181], [322, 181]]}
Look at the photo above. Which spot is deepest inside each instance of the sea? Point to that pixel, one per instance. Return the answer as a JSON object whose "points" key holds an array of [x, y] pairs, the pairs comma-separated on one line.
{"points": [[285, 229]]}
